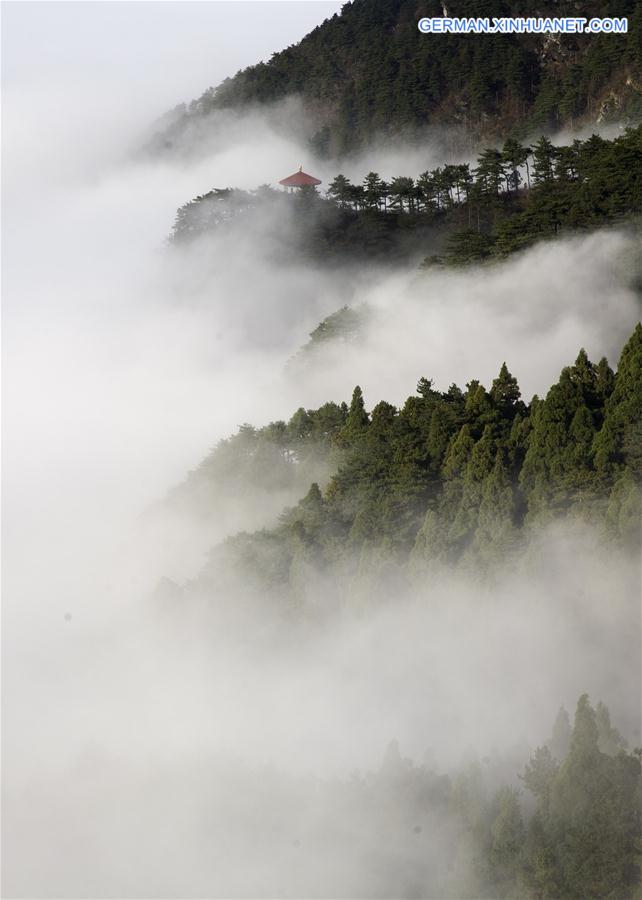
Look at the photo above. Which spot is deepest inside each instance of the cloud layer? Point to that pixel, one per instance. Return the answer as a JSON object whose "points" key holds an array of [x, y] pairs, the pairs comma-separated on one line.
{"points": [[128, 725]]}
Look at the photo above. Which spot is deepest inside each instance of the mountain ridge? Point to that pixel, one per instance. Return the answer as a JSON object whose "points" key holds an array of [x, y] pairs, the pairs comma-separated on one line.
{"points": [[368, 71]]}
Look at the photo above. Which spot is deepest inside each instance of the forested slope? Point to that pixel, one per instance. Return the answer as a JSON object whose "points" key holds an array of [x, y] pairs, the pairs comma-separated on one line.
{"points": [[580, 840], [460, 478], [368, 71], [512, 198]]}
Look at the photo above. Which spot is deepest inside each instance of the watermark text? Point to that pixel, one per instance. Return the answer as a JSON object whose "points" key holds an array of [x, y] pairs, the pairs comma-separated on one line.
{"points": [[529, 25]]}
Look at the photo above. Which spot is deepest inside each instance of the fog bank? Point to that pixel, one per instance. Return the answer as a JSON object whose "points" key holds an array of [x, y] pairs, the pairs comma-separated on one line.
{"points": [[195, 749]]}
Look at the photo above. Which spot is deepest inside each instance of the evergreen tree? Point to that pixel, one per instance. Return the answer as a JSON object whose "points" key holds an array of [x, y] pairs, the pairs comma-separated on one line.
{"points": [[507, 838], [624, 511], [515, 155], [495, 535], [373, 190], [595, 827], [340, 189], [544, 155], [558, 466], [561, 738], [609, 739], [357, 420], [582, 840], [402, 191], [443, 423], [505, 392], [619, 434], [427, 191], [450, 478], [490, 171], [539, 777]]}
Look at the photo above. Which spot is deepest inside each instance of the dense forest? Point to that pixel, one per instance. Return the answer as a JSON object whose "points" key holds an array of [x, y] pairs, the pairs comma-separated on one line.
{"points": [[462, 477], [513, 197], [368, 72], [368, 506], [329, 661], [567, 825]]}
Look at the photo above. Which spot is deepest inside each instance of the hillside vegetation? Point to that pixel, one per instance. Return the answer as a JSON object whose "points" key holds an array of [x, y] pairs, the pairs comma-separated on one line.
{"points": [[369, 72], [513, 197], [462, 477]]}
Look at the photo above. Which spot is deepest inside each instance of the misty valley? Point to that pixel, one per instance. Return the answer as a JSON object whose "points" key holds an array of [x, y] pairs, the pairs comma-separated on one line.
{"points": [[431, 548], [323, 492]]}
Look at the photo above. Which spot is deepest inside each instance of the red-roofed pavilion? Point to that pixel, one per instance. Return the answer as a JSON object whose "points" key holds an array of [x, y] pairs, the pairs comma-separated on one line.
{"points": [[299, 179]]}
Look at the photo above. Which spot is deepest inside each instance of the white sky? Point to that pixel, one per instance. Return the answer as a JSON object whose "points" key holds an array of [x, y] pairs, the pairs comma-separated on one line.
{"points": [[169, 51]]}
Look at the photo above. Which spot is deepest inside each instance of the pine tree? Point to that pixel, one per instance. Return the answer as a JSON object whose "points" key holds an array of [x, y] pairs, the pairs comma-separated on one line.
{"points": [[478, 407], [582, 840], [425, 389], [438, 539], [458, 454], [507, 838], [609, 739], [594, 815], [490, 172], [402, 191], [561, 738], [605, 380], [443, 423], [373, 190], [505, 392], [619, 434], [624, 511], [357, 421], [544, 155], [558, 467], [539, 777], [340, 189], [428, 193], [515, 155], [495, 535]]}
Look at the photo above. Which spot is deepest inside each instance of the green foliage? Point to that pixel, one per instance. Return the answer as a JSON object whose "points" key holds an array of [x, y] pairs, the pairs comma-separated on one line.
{"points": [[624, 510], [345, 326], [618, 440], [496, 535], [539, 776], [450, 477], [507, 839], [609, 739], [561, 738], [466, 247], [279, 461], [580, 841], [559, 468], [368, 71], [478, 215], [356, 423], [584, 836]]}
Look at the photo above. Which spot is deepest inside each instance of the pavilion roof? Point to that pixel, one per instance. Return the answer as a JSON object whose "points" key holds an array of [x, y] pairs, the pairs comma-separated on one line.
{"points": [[299, 179]]}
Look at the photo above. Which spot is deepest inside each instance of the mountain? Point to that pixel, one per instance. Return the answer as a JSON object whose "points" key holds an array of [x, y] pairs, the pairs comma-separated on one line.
{"points": [[368, 72], [453, 215], [461, 478]]}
